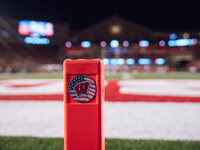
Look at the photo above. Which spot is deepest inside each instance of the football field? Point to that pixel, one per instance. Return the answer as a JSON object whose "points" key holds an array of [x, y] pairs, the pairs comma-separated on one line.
{"points": [[142, 110]]}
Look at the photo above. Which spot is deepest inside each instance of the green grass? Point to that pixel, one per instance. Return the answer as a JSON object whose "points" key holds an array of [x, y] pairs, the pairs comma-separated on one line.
{"points": [[31, 143], [113, 76]]}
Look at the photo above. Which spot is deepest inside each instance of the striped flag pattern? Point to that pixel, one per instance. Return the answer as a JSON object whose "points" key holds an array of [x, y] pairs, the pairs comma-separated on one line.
{"points": [[82, 88]]}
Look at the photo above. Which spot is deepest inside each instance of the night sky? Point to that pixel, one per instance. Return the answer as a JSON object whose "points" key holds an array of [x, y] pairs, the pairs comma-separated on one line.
{"points": [[163, 15]]}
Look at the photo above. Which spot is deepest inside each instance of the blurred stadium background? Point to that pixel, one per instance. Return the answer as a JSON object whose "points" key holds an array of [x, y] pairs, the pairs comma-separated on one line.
{"points": [[124, 46], [165, 109]]}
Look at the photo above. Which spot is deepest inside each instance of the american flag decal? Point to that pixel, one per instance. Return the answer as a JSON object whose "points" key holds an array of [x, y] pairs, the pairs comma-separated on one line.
{"points": [[82, 88]]}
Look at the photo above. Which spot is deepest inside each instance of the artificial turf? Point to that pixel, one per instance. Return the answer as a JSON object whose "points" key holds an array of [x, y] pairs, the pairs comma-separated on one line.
{"points": [[32, 143]]}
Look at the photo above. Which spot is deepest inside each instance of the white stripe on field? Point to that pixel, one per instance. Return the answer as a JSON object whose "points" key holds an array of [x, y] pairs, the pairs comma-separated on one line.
{"points": [[132, 120], [170, 87]]}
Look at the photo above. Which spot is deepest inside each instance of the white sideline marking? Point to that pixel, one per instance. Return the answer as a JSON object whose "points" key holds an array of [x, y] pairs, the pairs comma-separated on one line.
{"points": [[51, 86], [162, 87], [130, 120]]}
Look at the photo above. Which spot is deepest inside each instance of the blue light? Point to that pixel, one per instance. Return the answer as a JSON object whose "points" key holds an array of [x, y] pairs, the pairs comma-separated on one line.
{"points": [[144, 43], [173, 36], [86, 44], [68, 44], [130, 61], [40, 41], [23, 23], [114, 43], [120, 61], [125, 43], [171, 43], [162, 43], [182, 42], [194, 41], [105, 61], [113, 61], [103, 44], [144, 61], [160, 61]]}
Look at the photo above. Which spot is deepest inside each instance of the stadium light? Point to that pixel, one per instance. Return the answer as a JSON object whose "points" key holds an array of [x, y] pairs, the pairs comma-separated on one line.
{"points": [[125, 43], [173, 36], [130, 61], [68, 44], [144, 43], [103, 44], [115, 29], [40, 41], [120, 61], [105, 61], [114, 43], [113, 61], [160, 61], [182, 42], [162, 43], [186, 35], [86, 44], [144, 61]]}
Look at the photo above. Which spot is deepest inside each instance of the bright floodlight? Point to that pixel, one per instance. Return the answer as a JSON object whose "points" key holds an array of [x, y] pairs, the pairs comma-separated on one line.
{"points": [[120, 61], [160, 61], [40, 41], [144, 43], [113, 61], [105, 61], [86, 44], [182, 42], [114, 43], [130, 61], [144, 61]]}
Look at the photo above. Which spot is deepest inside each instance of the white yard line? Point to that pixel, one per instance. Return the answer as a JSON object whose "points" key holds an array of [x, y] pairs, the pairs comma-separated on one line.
{"points": [[171, 121], [35, 86], [162, 87]]}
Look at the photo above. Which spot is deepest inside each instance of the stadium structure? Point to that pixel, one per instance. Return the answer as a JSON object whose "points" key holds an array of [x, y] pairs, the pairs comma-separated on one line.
{"points": [[124, 46]]}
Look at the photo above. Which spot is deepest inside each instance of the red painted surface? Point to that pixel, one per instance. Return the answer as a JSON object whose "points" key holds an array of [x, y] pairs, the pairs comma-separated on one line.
{"points": [[83, 121]]}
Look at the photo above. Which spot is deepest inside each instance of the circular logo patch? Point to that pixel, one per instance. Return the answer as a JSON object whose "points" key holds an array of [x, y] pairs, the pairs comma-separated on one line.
{"points": [[82, 88]]}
